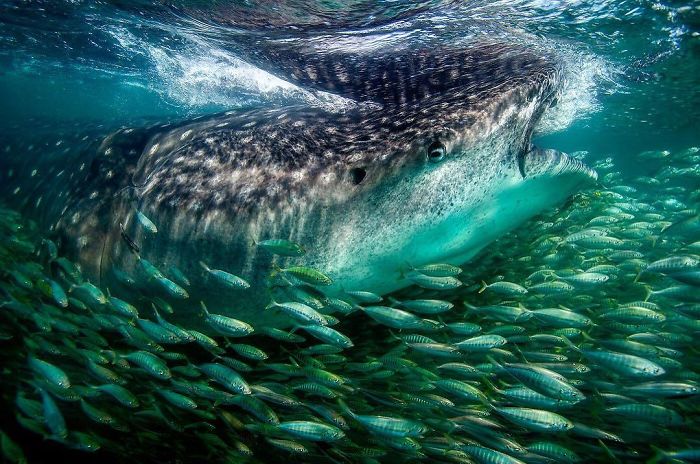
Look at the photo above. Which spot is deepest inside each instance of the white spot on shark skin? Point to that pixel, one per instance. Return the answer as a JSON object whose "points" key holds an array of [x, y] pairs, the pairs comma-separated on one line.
{"points": [[186, 134], [93, 195], [59, 143], [75, 218], [311, 72], [34, 172], [82, 241], [16, 191], [82, 167], [153, 149], [108, 151], [38, 201], [109, 174]]}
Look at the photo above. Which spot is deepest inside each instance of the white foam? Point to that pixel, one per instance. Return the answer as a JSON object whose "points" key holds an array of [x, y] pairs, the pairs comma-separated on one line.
{"points": [[201, 76], [579, 95]]}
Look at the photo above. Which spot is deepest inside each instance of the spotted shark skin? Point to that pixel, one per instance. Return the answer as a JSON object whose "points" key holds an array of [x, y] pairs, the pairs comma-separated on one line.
{"points": [[358, 187]]}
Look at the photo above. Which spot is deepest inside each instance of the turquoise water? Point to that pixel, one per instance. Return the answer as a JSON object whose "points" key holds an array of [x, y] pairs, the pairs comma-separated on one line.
{"points": [[79, 76]]}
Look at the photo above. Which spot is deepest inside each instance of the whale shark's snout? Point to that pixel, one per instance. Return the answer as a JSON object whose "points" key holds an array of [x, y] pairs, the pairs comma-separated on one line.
{"points": [[537, 161]]}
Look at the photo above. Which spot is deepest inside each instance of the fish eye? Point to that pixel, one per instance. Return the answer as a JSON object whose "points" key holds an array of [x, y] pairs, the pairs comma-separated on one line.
{"points": [[436, 151]]}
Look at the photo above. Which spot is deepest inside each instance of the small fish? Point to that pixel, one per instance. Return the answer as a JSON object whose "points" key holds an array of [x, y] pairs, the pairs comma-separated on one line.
{"points": [[248, 351], [554, 451], [226, 325], [52, 416], [535, 419], [123, 308], [481, 343], [308, 275], [226, 377], [504, 288], [90, 294], [432, 282], [301, 312], [227, 279], [386, 426], [312, 431], [183, 335], [328, 335], [146, 223], [11, 451], [177, 400], [425, 306], [393, 317], [150, 363], [52, 374], [282, 247], [438, 270], [288, 446], [561, 318], [364, 297]]}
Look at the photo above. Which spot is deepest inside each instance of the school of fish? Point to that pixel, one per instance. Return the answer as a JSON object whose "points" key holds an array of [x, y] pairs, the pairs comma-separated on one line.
{"points": [[571, 339]]}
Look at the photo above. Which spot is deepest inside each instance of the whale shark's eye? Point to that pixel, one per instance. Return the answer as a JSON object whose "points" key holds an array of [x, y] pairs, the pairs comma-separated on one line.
{"points": [[436, 151]]}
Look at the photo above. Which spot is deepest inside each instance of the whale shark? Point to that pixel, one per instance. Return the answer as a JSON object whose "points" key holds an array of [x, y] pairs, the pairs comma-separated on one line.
{"points": [[432, 163]]}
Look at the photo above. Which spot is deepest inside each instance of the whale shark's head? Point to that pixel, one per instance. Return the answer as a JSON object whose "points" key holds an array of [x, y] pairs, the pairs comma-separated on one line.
{"points": [[436, 168], [432, 163]]}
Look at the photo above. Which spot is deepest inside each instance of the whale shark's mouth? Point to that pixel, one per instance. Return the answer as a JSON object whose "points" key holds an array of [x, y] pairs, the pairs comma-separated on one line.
{"points": [[536, 161]]}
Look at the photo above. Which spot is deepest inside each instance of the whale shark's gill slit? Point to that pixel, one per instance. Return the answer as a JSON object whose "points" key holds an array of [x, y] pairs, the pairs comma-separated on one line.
{"points": [[358, 175]]}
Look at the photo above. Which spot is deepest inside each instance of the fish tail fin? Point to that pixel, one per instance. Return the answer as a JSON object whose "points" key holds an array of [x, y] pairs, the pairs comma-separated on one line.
{"points": [[204, 266], [345, 408], [484, 286], [393, 335], [521, 354], [649, 292], [393, 301], [658, 456], [655, 240], [204, 308], [585, 336], [607, 450], [271, 304], [155, 310], [568, 343], [276, 270], [492, 386], [493, 361]]}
